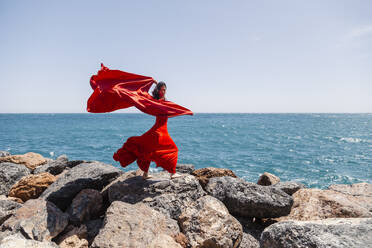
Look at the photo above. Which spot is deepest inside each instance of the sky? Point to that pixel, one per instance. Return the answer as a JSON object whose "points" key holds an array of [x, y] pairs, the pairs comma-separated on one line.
{"points": [[215, 56]]}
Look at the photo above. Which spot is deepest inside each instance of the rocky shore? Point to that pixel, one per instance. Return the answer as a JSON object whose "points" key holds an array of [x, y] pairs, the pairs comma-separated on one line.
{"points": [[63, 203]]}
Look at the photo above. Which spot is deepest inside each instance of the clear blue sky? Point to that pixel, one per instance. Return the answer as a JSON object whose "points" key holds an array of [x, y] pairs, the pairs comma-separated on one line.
{"points": [[215, 56]]}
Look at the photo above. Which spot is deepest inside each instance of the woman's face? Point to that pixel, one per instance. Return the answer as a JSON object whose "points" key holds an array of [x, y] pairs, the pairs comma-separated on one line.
{"points": [[162, 92]]}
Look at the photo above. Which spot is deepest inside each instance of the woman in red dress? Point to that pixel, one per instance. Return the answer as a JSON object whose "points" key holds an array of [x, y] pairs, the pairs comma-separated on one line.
{"points": [[114, 89]]}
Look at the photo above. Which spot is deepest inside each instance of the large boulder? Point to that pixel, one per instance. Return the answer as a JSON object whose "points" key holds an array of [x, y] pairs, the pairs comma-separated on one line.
{"points": [[267, 179], [31, 186], [337, 232], [37, 219], [7, 208], [357, 189], [54, 167], [315, 204], [168, 196], [10, 173], [133, 225], [289, 187], [204, 174], [85, 175], [207, 223], [18, 241], [31, 160], [248, 199]]}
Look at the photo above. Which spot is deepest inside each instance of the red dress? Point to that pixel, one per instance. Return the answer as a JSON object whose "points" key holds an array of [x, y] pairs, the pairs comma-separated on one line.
{"points": [[114, 89]]}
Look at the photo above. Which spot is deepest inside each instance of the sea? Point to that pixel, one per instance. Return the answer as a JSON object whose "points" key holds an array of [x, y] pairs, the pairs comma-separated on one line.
{"points": [[315, 149]]}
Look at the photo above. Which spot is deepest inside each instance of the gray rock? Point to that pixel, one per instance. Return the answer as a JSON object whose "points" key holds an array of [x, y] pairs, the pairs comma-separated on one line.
{"points": [[162, 241], [7, 209], [185, 168], [168, 196], [207, 223], [4, 154], [86, 204], [93, 227], [267, 179], [37, 219], [10, 173], [357, 189], [54, 167], [17, 241], [133, 225], [327, 233], [251, 232], [290, 187], [86, 175], [248, 199]]}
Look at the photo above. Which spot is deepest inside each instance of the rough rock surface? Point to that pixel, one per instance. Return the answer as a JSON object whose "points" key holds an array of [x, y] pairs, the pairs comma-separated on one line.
{"points": [[93, 227], [168, 196], [31, 186], [7, 208], [73, 237], [86, 175], [204, 174], [289, 187], [267, 179], [4, 153], [357, 189], [133, 225], [339, 232], [185, 168], [86, 204], [17, 241], [31, 160], [207, 223], [54, 167], [37, 219], [162, 241], [314, 204], [10, 173], [248, 199]]}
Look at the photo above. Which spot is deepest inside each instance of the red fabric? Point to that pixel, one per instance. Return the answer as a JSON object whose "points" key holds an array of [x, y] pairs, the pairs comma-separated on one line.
{"points": [[113, 90]]}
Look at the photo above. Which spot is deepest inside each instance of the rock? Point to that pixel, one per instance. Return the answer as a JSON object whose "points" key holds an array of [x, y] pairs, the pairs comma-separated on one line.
{"points": [[74, 237], [37, 219], [204, 174], [249, 241], [181, 239], [133, 225], [348, 233], [31, 160], [17, 241], [207, 223], [54, 167], [315, 204], [86, 204], [4, 153], [168, 196], [74, 242], [248, 199], [10, 173], [290, 187], [31, 186], [93, 227], [267, 179], [7, 208], [251, 232], [85, 175], [164, 240], [185, 168], [357, 189]]}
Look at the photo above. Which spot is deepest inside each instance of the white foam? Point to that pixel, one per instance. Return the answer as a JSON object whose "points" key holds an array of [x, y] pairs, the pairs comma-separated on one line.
{"points": [[351, 140]]}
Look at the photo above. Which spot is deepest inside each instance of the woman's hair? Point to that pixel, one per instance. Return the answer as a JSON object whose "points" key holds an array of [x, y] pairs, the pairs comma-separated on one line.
{"points": [[155, 92]]}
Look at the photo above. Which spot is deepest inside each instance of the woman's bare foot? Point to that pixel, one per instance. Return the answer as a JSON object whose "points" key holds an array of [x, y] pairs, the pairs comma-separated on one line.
{"points": [[175, 175], [146, 175]]}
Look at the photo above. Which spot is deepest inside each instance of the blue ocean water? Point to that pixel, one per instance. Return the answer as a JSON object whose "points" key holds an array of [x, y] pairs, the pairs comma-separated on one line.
{"points": [[315, 149]]}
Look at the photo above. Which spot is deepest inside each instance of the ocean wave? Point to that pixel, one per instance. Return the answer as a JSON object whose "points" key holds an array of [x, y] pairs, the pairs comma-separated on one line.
{"points": [[352, 140]]}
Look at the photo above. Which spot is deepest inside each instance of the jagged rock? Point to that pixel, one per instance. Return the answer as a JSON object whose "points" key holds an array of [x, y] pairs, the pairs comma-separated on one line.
{"points": [[164, 240], [133, 225], [289, 187], [10, 173], [267, 179], [204, 174], [17, 241], [7, 208], [168, 196], [207, 223], [73, 237], [74, 242], [86, 204], [249, 199], [85, 175], [54, 167], [357, 189], [314, 204], [181, 239], [251, 232], [4, 153], [31, 186], [185, 168], [348, 233], [31, 160], [93, 227], [37, 219]]}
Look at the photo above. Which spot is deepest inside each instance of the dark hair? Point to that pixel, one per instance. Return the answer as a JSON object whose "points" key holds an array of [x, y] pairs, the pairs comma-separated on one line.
{"points": [[155, 92]]}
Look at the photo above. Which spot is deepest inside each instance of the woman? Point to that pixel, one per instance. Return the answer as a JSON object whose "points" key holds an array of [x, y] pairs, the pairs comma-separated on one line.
{"points": [[114, 89]]}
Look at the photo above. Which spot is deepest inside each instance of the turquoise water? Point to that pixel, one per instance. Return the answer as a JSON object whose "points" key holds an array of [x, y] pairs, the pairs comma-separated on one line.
{"points": [[315, 149]]}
